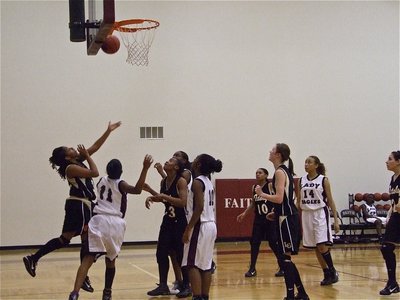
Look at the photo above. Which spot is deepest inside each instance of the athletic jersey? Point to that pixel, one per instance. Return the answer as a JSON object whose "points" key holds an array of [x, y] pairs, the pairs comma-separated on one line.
{"points": [[371, 211], [261, 205], [81, 187], [111, 200], [394, 190], [287, 207], [312, 193], [172, 213], [207, 215]]}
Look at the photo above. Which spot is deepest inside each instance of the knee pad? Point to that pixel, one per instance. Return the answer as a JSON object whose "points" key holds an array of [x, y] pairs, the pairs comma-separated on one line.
{"points": [[64, 241]]}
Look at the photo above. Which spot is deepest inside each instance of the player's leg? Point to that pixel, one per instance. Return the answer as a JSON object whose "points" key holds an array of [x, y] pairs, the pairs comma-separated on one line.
{"points": [[109, 278], [31, 261], [392, 234], [255, 242], [205, 284], [81, 274], [163, 249]]}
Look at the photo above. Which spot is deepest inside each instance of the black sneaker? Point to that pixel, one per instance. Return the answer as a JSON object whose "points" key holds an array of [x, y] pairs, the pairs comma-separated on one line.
{"points": [[250, 273], [73, 296], [30, 265], [161, 290], [334, 276], [184, 292], [327, 278], [390, 289], [87, 286], [280, 273], [107, 294], [301, 297]]}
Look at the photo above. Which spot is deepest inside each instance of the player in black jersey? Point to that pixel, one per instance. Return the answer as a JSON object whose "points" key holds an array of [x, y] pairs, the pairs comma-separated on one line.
{"points": [[286, 217], [173, 193], [69, 164], [181, 285], [392, 232], [263, 229]]}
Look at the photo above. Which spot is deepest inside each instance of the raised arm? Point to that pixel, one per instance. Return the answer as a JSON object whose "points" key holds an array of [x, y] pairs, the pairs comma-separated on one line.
{"points": [[137, 188], [78, 171], [100, 141]]}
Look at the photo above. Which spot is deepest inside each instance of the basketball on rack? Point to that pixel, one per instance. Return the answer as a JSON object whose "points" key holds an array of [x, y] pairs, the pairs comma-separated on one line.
{"points": [[385, 196], [111, 44], [358, 197], [386, 206], [378, 196]]}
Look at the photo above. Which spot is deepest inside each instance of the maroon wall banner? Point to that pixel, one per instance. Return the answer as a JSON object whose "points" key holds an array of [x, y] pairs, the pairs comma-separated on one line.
{"points": [[232, 198]]}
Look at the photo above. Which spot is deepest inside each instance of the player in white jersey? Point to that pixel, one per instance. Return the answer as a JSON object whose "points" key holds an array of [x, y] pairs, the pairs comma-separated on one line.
{"points": [[314, 201], [201, 231], [107, 226], [370, 216]]}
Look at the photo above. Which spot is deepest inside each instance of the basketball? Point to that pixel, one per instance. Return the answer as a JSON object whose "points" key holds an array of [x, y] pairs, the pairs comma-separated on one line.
{"points": [[365, 196], [356, 208], [385, 196], [386, 206], [358, 197], [379, 206], [110, 45], [378, 196]]}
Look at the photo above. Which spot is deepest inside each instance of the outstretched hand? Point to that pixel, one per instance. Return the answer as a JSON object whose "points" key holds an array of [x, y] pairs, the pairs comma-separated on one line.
{"points": [[148, 160], [113, 126]]}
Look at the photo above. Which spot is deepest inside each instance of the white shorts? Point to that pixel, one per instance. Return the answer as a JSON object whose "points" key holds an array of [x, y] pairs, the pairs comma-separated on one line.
{"points": [[372, 220], [199, 251], [106, 235], [316, 227]]}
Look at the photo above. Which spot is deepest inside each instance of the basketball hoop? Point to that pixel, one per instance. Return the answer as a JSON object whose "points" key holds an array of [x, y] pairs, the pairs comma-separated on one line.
{"points": [[137, 36]]}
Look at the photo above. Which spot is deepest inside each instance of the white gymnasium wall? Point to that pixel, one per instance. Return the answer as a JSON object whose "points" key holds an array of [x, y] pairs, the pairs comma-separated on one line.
{"points": [[227, 78]]}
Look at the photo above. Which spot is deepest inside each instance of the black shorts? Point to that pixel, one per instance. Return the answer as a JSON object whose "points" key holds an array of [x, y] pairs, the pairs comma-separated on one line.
{"points": [[289, 234], [77, 216], [392, 231], [170, 239], [263, 230]]}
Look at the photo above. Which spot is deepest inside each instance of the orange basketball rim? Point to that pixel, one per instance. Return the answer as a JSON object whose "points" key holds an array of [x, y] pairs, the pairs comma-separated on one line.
{"points": [[137, 36]]}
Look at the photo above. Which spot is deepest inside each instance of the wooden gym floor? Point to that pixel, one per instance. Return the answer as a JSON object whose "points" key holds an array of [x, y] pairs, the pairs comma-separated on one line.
{"points": [[361, 269]]}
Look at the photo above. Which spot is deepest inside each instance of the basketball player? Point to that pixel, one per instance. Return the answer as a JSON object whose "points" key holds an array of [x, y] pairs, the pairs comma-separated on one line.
{"points": [[392, 232], [173, 193], [315, 200], [201, 231], [107, 226], [286, 217], [181, 285], [263, 229], [69, 164], [369, 214]]}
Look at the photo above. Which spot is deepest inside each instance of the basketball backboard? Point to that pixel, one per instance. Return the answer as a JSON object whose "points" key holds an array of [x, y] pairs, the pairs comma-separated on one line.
{"points": [[99, 22]]}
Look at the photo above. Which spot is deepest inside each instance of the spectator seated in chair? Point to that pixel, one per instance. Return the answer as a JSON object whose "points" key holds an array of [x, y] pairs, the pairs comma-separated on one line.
{"points": [[370, 216]]}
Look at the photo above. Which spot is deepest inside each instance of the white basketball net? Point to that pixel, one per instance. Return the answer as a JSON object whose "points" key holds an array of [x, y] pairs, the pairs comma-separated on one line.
{"points": [[137, 39]]}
